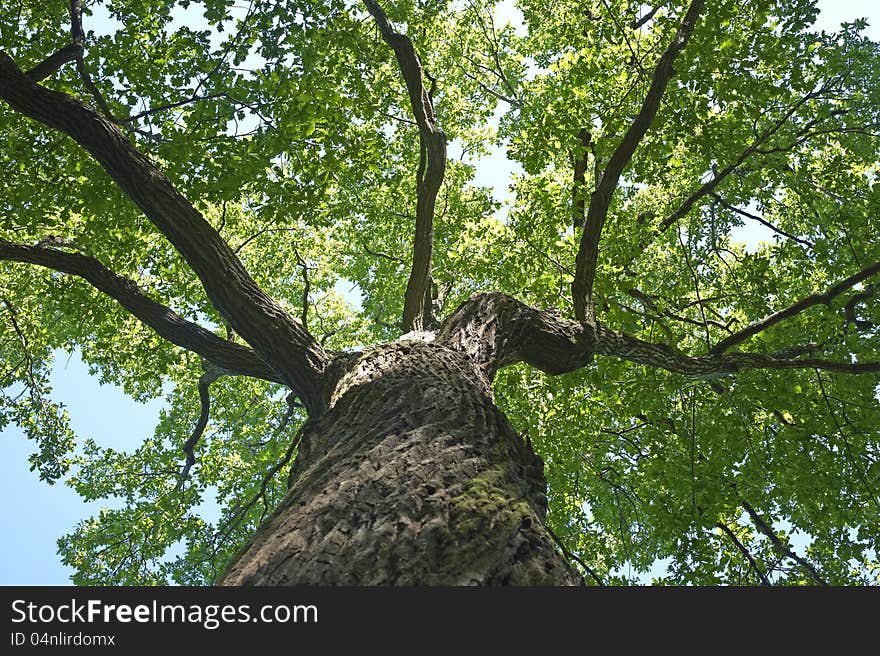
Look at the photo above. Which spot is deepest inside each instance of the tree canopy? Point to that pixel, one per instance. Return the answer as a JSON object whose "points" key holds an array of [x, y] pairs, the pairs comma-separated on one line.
{"points": [[338, 166]]}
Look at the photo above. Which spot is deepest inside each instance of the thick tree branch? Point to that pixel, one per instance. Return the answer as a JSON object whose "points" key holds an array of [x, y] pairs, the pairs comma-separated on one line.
{"points": [[56, 60], [823, 298], [578, 186], [232, 358], [496, 330], [600, 200], [71, 52], [278, 338], [432, 168]]}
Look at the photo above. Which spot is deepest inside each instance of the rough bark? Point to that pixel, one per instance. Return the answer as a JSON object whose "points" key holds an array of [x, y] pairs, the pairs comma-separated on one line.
{"points": [[496, 330], [413, 477]]}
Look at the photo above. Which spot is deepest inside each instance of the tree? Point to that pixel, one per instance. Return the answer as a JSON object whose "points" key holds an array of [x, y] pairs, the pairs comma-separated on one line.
{"points": [[596, 379]]}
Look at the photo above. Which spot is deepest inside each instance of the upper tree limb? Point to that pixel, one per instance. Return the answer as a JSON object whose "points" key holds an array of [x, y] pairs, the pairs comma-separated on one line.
{"points": [[600, 200], [277, 337], [432, 168]]}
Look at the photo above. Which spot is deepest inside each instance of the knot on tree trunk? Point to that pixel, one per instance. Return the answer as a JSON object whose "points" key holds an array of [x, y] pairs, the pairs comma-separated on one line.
{"points": [[496, 330]]}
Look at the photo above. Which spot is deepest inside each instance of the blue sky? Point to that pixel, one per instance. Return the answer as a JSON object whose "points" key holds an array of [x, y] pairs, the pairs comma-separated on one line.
{"points": [[36, 515]]}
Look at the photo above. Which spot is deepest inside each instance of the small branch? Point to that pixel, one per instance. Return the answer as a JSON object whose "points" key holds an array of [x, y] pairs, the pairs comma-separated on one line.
{"points": [[292, 405], [634, 58], [78, 36], [381, 254], [486, 89], [259, 233], [578, 187], [852, 459], [495, 49], [25, 347], [849, 310], [540, 251], [399, 119], [823, 298], [174, 105], [761, 220], [637, 23], [205, 400], [568, 554], [264, 485], [304, 318], [652, 306], [696, 279], [778, 546], [745, 552], [232, 43], [53, 62], [719, 175]]}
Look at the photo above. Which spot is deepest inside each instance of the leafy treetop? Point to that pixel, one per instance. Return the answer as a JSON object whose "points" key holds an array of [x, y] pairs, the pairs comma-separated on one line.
{"points": [[647, 136]]}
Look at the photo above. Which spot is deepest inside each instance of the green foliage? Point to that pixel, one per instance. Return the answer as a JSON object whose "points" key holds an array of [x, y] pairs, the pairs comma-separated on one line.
{"points": [[300, 150]]}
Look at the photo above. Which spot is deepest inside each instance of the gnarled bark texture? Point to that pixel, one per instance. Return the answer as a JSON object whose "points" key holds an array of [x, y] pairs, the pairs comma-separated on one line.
{"points": [[413, 477]]}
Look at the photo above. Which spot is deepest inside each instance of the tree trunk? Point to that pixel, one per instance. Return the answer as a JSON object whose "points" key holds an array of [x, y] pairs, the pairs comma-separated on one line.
{"points": [[412, 477]]}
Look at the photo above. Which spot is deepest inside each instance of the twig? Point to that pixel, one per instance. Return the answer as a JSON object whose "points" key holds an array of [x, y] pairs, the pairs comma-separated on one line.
{"points": [[761, 220], [188, 447], [640, 22], [780, 548], [860, 472], [745, 552], [568, 554]]}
